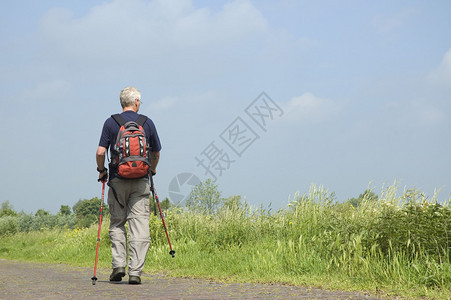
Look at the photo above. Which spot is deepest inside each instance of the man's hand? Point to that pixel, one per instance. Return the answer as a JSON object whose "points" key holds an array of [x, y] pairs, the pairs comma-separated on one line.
{"points": [[103, 176]]}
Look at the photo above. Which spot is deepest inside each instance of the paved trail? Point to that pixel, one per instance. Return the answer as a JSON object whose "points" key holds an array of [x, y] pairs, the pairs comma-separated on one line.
{"points": [[24, 280]]}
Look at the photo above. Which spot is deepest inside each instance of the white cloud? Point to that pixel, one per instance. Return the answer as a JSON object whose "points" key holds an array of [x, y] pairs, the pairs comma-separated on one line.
{"points": [[385, 24], [163, 103], [429, 114], [417, 113], [426, 113], [53, 90], [308, 107], [135, 30], [442, 75]]}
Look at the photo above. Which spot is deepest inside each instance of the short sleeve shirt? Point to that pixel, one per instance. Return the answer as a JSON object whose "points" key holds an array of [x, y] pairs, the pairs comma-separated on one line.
{"points": [[111, 129]]}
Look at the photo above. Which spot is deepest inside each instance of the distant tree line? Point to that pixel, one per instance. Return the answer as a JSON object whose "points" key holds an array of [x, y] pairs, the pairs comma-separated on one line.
{"points": [[83, 214]]}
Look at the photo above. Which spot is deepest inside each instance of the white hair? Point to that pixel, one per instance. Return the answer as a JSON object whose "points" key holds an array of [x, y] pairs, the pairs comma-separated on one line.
{"points": [[129, 95]]}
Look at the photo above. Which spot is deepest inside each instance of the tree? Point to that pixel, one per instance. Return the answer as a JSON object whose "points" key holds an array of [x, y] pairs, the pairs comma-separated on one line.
{"points": [[165, 204], [7, 210], [41, 213], [367, 195], [65, 210], [233, 202], [88, 211], [205, 198]]}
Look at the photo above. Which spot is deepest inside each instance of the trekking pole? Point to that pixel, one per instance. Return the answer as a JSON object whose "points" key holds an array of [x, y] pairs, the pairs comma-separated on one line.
{"points": [[155, 198], [94, 278], [154, 207]]}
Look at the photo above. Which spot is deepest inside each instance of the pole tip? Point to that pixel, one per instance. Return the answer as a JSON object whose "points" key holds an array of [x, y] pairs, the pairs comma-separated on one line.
{"points": [[172, 252], [94, 279]]}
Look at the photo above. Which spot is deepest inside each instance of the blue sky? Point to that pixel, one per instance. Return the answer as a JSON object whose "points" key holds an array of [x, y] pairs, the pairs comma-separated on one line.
{"points": [[363, 91]]}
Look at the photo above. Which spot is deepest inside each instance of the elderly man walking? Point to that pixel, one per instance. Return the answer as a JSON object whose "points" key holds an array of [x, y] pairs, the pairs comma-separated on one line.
{"points": [[134, 145]]}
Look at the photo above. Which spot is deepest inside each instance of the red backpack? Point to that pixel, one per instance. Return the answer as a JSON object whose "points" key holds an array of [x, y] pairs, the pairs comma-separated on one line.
{"points": [[131, 154]]}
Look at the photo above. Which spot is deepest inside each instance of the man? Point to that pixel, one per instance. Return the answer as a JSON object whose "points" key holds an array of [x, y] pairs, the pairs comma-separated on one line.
{"points": [[128, 199]]}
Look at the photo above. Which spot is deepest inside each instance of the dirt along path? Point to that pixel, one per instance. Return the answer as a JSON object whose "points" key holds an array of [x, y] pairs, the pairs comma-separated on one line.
{"points": [[25, 280]]}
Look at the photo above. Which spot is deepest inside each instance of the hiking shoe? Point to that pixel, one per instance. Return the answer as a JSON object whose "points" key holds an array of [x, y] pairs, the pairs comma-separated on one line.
{"points": [[117, 274], [134, 280]]}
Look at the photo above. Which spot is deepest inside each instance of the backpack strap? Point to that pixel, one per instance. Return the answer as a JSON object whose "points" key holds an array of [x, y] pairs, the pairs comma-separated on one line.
{"points": [[141, 120], [119, 119]]}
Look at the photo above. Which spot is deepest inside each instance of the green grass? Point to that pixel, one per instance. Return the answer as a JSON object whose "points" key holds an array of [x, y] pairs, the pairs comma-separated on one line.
{"points": [[397, 245]]}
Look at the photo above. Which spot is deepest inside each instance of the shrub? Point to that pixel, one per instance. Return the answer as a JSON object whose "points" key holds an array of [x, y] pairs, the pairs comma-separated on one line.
{"points": [[7, 210], [8, 225]]}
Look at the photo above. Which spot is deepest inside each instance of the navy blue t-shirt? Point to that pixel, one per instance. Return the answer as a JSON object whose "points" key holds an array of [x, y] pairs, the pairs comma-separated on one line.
{"points": [[111, 129]]}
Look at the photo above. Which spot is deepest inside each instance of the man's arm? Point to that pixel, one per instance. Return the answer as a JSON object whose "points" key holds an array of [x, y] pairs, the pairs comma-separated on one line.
{"points": [[154, 158], [100, 159]]}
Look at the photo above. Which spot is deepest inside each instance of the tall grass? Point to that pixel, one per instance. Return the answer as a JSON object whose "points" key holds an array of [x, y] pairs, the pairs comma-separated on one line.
{"points": [[397, 245]]}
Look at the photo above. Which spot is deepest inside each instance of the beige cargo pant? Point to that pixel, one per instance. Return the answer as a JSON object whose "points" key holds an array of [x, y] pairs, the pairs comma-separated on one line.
{"points": [[131, 206]]}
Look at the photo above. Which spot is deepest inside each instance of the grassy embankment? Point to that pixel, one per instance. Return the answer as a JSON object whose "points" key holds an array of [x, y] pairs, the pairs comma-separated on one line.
{"points": [[397, 245]]}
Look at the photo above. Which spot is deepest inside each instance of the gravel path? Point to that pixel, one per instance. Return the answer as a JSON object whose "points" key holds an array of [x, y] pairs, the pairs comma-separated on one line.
{"points": [[25, 280]]}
